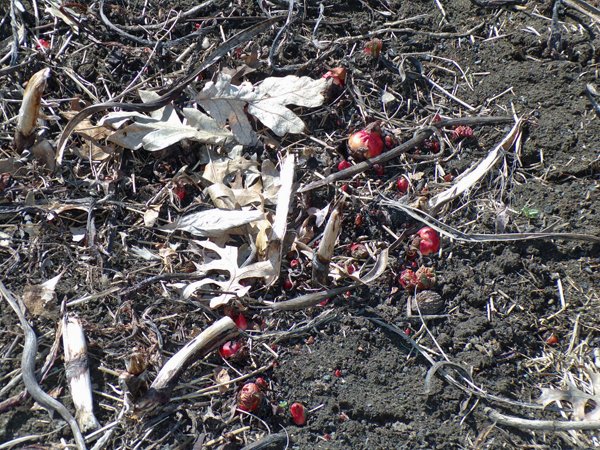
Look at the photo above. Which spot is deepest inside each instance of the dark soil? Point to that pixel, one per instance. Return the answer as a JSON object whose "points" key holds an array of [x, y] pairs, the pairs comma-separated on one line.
{"points": [[518, 315]]}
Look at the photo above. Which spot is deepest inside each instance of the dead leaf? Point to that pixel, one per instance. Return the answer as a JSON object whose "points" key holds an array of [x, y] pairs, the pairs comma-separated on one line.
{"points": [[40, 299], [93, 136], [164, 127], [585, 406], [222, 378], [228, 104], [239, 182], [227, 262], [151, 215], [213, 222]]}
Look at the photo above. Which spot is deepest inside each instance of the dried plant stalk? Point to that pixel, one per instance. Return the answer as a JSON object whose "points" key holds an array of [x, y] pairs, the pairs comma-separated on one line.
{"points": [[322, 257], [78, 373], [30, 109], [284, 200], [217, 334], [471, 176]]}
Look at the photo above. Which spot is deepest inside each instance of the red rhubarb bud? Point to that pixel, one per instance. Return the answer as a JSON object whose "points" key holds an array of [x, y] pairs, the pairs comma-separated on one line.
{"points": [[337, 75], [298, 413], [250, 397], [365, 144], [373, 47], [229, 349], [462, 131], [343, 165], [425, 278], [429, 241], [359, 251], [402, 184], [408, 280]]}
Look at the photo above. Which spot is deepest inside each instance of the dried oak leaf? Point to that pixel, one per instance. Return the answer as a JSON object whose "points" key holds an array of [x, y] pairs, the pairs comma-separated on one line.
{"points": [[227, 262], [213, 222], [228, 104], [580, 400], [163, 127]]}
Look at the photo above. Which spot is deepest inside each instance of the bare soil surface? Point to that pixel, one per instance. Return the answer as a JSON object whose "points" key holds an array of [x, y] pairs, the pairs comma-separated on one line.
{"points": [[517, 316]]}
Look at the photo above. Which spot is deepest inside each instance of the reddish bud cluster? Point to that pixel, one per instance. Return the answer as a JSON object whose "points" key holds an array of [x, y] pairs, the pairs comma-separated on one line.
{"points": [[402, 184], [229, 349], [365, 144], [424, 278], [462, 132], [298, 413], [337, 75], [43, 43], [358, 251], [373, 47], [250, 397], [428, 241], [343, 165], [431, 145]]}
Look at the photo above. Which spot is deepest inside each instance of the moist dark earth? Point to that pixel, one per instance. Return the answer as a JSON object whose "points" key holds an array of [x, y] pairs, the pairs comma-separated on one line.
{"points": [[518, 315]]}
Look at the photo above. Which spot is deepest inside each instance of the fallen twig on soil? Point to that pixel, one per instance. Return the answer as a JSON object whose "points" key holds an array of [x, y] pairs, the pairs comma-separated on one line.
{"points": [[28, 371], [418, 138], [546, 425], [453, 233]]}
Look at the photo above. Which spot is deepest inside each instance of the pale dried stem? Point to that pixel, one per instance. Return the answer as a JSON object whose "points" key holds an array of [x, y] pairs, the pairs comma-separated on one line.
{"points": [[217, 334], [322, 258], [545, 425], [78, 372], [30, 109], [279, 227], [467, 179]]}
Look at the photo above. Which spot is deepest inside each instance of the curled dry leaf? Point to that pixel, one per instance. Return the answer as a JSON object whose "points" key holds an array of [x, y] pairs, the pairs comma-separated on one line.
{"points": [[239, 182], [40, 299], [376, 271], [228, 104], [93, 136], [222, 378]]}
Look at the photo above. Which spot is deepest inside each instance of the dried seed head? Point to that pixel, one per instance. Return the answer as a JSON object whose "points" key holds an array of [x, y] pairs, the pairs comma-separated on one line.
{"points": [[428, 303]]}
